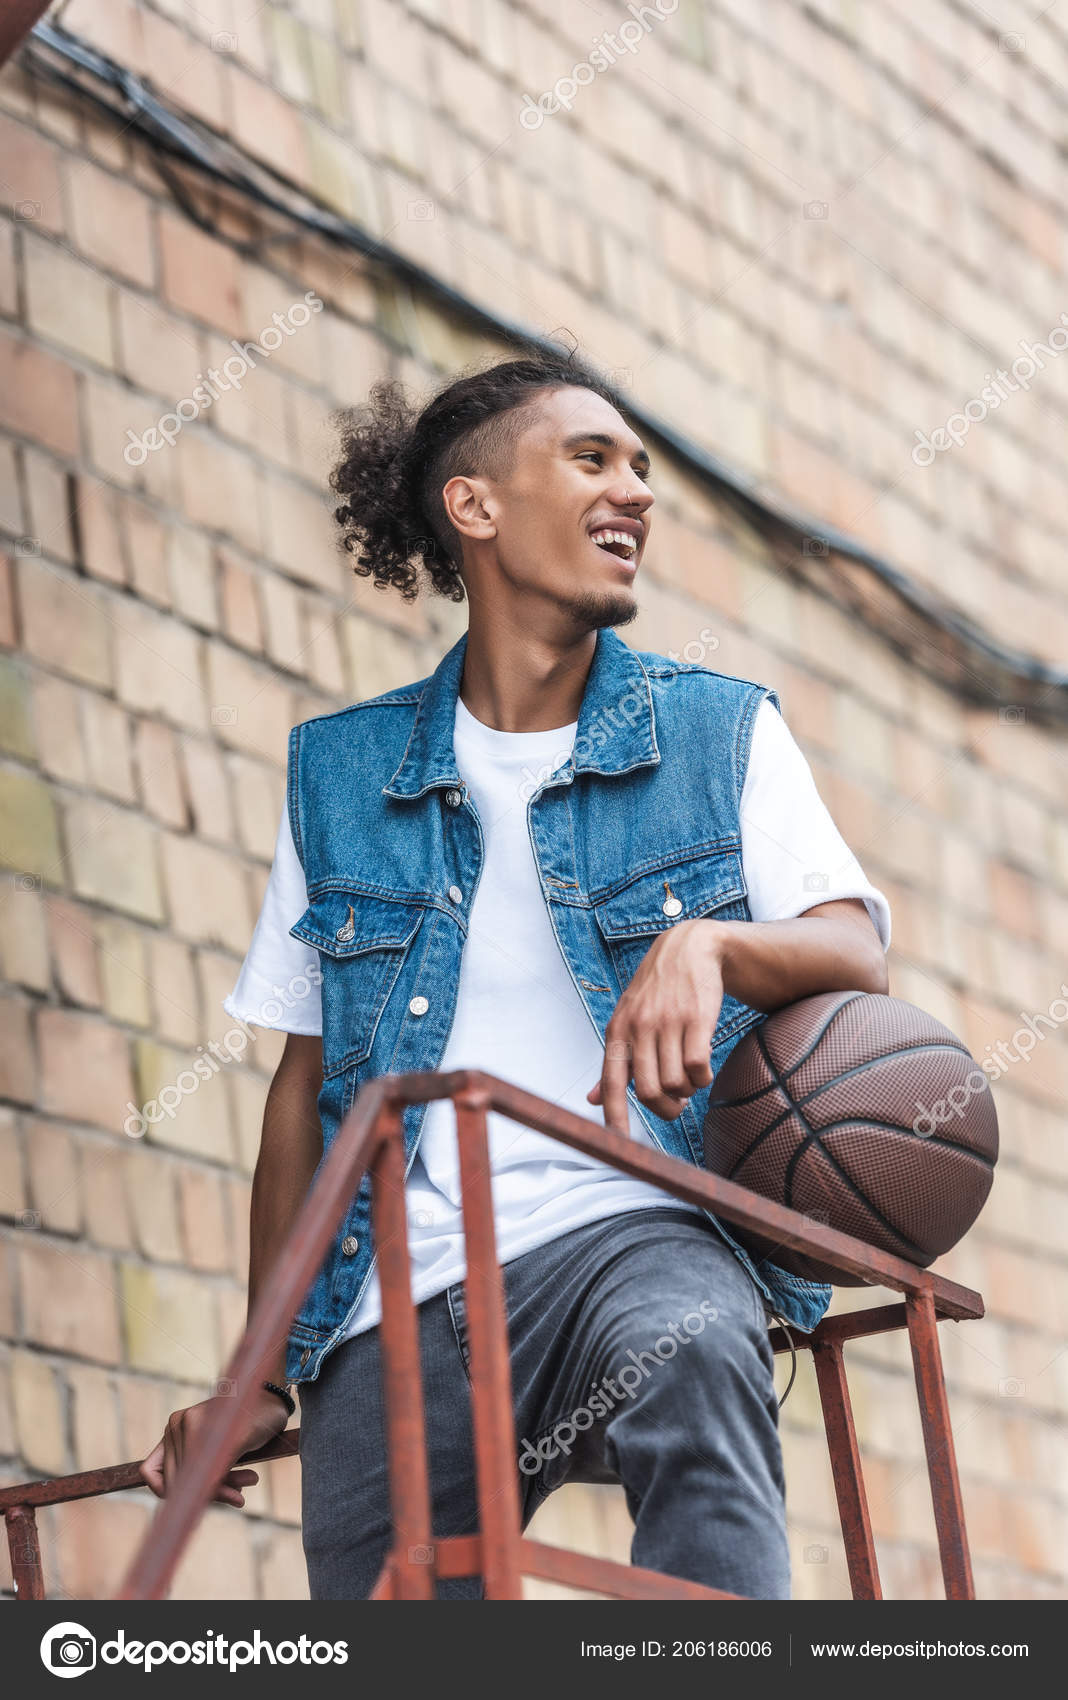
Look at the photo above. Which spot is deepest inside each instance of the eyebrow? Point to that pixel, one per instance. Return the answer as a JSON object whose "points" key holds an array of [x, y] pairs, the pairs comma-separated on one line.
{"points": [[607, 441]]}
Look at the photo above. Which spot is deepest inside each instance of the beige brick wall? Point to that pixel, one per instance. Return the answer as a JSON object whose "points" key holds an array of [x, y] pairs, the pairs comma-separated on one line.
{"points": [[164, 625]]}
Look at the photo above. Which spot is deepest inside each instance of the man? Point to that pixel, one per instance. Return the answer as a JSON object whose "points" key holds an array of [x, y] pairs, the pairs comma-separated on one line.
{"points": [[588, 871]]}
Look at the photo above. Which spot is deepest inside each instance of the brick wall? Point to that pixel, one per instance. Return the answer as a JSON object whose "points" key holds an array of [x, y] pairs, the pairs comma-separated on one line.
{"points": [[799, 233]]}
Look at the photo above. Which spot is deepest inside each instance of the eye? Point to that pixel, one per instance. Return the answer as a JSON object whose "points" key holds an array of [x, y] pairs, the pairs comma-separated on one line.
{"points": [[592, 454]]}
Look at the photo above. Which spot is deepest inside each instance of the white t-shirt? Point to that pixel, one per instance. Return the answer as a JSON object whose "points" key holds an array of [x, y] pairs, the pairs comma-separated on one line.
{"points": [[518, 1014]]}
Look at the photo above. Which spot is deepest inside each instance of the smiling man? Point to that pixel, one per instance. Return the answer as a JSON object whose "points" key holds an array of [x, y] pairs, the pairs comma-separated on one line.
{"points": [[603, 939]]}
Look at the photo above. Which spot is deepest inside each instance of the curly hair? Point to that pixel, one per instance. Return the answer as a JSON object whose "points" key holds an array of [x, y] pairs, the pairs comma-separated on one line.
{"points": [[395, 461]]}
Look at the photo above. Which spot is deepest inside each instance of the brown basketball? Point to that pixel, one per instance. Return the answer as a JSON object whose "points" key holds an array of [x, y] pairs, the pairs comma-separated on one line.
{"points": [[863, 1112]]}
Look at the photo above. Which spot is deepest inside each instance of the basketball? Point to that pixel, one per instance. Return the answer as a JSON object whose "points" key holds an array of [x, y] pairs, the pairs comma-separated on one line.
{"points": [[865, 1113]]}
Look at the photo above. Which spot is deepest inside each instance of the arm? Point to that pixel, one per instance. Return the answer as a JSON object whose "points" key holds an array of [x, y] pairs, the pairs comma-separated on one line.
{"points": [[790, 949], [830, 948], [290, 1148], [661, 1029]]}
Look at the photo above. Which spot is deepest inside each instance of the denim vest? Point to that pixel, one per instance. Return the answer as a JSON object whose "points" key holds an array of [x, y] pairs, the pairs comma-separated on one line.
{"points": [[638, 829]]}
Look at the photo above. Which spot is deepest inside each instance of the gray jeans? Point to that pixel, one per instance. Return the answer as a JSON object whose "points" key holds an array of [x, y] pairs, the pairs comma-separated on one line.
{"points": [[639, 1353]]}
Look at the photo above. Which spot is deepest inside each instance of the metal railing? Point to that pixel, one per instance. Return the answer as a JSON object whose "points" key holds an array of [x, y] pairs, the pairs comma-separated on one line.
{"points": [[371, 1138]]}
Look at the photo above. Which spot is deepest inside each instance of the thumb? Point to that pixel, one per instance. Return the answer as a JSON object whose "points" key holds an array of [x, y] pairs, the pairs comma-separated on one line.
{"points": [[594, 1093]]}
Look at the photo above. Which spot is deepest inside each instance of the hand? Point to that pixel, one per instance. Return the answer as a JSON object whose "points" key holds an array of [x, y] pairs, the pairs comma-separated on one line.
{"points": [[267, 1418], [661, 1029]]}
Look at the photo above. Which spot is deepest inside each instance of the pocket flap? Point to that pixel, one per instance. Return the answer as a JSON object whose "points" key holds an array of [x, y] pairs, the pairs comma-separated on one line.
{"points": [[688, 889], [343, 922]]}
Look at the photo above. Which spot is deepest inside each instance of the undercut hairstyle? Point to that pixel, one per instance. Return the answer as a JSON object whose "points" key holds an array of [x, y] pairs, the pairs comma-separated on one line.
{"points": [[395, 461]]}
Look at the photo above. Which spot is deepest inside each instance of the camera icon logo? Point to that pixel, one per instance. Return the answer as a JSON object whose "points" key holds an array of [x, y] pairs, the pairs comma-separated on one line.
{"points": [[68, 1649]]}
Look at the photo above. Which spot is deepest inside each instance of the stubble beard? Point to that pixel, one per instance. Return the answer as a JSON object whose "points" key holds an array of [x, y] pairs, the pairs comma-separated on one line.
{"points": [[593, 609]]}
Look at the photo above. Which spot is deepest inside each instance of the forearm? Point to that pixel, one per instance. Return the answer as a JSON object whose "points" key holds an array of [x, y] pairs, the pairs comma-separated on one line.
{"points": [[290, 1149], [767, 964]]}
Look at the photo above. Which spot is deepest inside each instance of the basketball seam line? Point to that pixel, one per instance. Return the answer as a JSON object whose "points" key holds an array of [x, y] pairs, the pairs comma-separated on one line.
{"points": [[884, 1056], [887, 1127], [895, 1232], [779, 1081]]}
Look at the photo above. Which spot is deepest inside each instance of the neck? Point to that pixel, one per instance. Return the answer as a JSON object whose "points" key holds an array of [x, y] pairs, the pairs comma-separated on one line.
{"points": [[518, 681]]}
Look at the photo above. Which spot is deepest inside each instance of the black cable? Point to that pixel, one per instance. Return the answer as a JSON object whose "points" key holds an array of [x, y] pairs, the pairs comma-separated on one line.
{"points": [[785, 1326], [943, 642]]}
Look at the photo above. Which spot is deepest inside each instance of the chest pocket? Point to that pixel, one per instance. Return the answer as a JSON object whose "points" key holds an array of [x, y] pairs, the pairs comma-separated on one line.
{"points": [[630, 920], [363, 940]]}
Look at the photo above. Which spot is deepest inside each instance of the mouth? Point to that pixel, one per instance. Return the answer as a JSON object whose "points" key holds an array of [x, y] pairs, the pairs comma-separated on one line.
{"points": [[624, 545]]}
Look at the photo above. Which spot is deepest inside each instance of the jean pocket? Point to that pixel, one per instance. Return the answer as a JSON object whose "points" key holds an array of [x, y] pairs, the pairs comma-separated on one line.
{"points": [[457, 1302]]}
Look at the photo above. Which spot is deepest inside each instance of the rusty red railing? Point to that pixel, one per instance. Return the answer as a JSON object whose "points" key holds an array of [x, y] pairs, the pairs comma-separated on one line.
{"points": [[371, 1137]]}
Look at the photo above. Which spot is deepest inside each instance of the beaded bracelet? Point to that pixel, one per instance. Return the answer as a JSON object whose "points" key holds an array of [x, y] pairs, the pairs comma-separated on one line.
{"points": [[273, 1387]]}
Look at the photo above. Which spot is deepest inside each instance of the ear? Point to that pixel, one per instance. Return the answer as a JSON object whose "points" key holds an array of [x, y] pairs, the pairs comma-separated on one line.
{"points": [[470, 508]]}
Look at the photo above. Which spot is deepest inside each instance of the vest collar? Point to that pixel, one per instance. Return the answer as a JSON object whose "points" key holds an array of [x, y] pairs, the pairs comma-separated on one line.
{"points": [[616, 725]]}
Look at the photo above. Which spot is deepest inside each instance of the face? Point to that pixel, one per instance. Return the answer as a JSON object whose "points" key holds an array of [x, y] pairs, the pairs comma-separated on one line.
{"points": [[570, 519]]}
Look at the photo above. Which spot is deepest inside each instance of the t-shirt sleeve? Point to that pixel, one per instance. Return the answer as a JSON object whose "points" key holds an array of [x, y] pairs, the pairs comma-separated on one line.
{"points": [[278, 985], [793, 855]]}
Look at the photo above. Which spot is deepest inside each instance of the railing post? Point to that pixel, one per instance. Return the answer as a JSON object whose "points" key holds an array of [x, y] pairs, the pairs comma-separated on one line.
{"points": [[938, 1443], [25, 1550], [491, 1377], [849, 1490], [412, 1558]]}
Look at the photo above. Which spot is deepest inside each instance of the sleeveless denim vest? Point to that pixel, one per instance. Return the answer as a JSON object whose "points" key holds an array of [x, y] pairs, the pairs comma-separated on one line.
{"points": [[646, 804]]}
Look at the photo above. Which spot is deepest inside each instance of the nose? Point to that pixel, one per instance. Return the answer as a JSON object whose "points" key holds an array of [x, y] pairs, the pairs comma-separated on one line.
{"points": [[635, 496]]}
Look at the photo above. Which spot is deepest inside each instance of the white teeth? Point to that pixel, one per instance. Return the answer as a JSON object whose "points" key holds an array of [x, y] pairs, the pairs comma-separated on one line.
{"points": [[623, 537]]}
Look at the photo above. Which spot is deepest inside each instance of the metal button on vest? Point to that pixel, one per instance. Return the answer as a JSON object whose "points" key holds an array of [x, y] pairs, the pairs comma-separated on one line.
{"points": [[350, 1245], [454, 799], [304, 1356], [456, 894], [418, 1006], [671, 906]]}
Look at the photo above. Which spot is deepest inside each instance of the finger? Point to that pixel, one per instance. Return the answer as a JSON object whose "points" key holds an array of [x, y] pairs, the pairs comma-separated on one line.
{"points": [[179, 1443], [614, 1077], [151, 1470], [170, 1465], [647, 1081], [242, 1478], [646, 1066], [697, 1054], [674, 1081]]}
